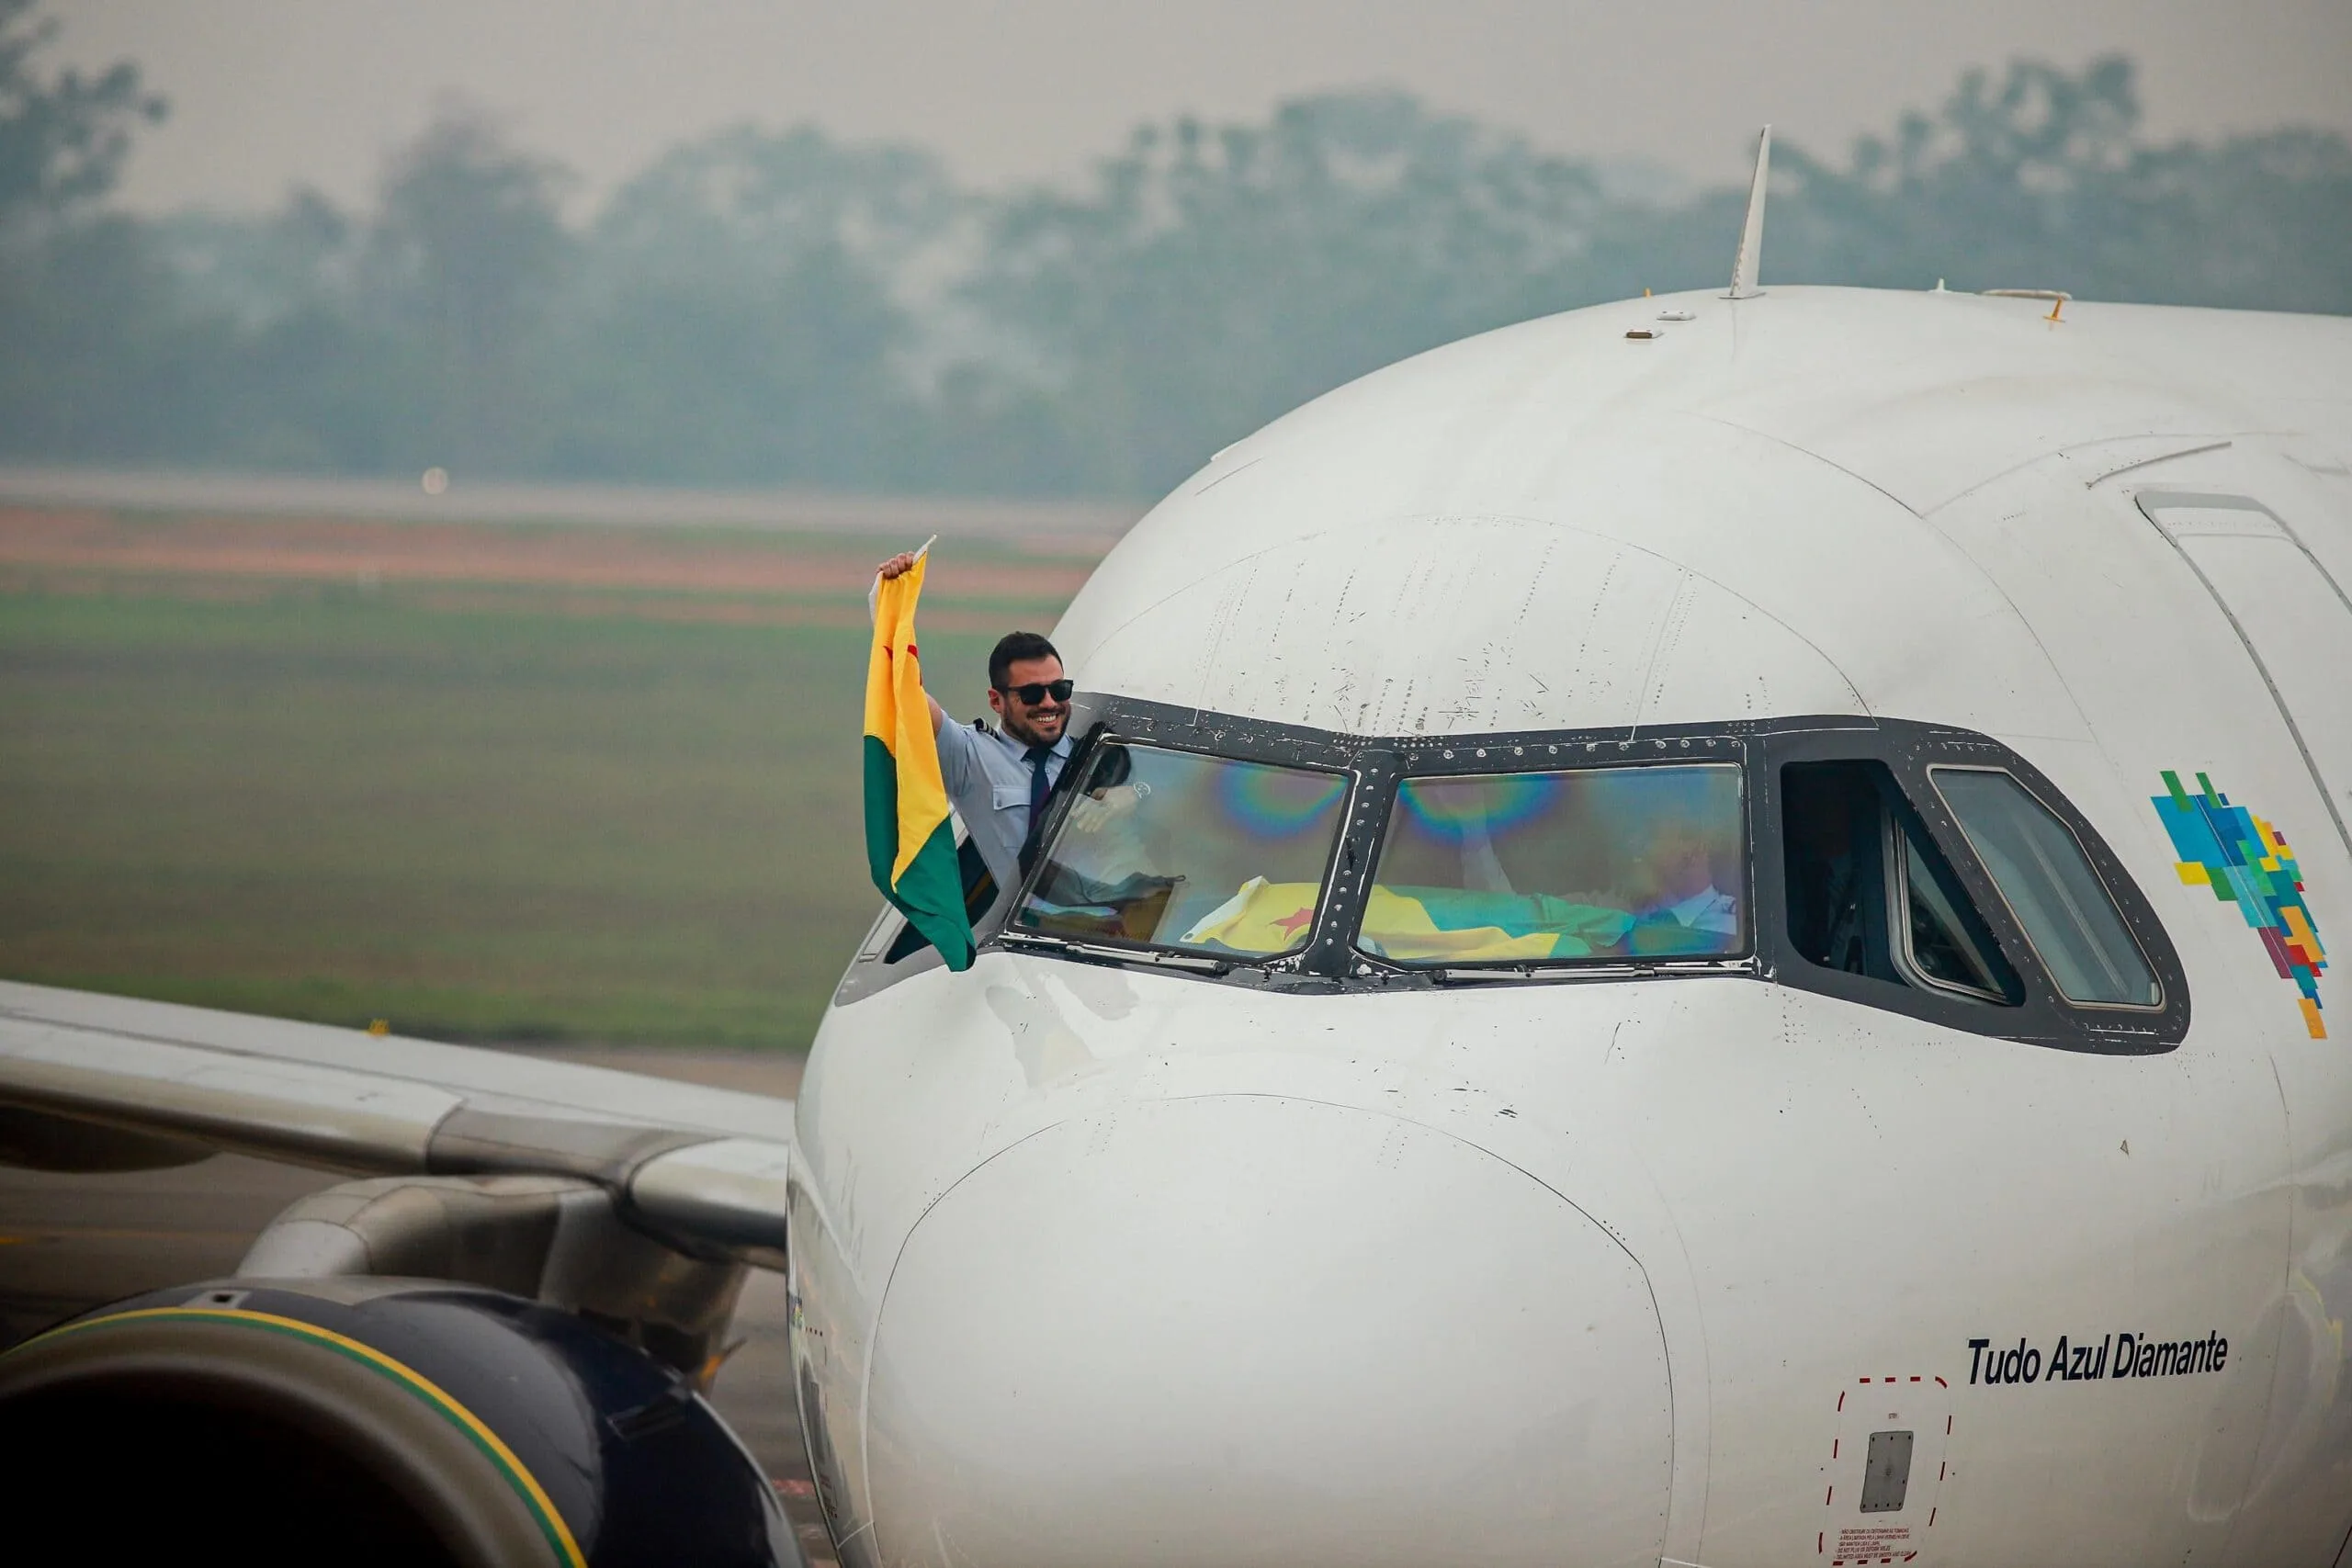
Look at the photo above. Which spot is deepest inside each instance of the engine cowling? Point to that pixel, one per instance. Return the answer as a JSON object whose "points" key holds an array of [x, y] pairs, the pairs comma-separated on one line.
{"points": [[366, 1420]]}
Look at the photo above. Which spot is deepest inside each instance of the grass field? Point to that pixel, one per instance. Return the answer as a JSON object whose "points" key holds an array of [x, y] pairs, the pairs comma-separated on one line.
{"points": [[510, 783]]}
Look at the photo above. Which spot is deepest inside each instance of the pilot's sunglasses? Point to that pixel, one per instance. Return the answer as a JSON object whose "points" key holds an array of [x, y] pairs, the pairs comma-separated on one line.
{"points": [[1036, 691]]}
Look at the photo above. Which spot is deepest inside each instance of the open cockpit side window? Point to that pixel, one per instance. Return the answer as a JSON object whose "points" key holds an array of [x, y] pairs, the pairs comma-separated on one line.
{"points": [[979, 894], [894, 950], [1870, 894]]}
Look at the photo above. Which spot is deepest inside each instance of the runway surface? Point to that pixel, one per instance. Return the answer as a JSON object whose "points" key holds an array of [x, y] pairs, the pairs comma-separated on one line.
{"points": [[69, 1243]]}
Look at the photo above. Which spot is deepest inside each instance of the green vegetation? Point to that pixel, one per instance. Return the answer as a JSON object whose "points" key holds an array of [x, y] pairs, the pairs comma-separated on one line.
{"points": [[777, 307], [340, 805]]}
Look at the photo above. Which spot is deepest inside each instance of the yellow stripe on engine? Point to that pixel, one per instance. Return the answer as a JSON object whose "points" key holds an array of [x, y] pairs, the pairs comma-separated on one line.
{"points": [[551, 1519]]}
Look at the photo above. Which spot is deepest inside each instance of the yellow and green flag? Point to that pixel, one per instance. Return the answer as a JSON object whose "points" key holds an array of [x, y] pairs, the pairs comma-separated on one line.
{"points": [[910, 837]]}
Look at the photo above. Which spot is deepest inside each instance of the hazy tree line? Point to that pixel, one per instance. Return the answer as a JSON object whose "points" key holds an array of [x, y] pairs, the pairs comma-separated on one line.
{"points": [[764, 307]]}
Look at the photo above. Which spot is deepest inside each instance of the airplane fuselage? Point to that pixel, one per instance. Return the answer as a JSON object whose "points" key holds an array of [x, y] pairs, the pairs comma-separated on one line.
{"points": [[1980, 1201]]}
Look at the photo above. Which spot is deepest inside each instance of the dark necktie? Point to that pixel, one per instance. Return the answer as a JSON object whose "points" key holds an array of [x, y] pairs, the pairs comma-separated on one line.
{"points": [[1039, 787]]}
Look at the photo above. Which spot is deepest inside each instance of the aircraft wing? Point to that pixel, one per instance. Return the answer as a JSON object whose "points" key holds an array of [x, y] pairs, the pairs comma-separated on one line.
{"points": [[708, 1163]]}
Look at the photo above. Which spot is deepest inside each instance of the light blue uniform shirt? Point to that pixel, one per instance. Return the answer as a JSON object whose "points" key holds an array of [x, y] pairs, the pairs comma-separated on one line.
{"points": [[986, 775]]}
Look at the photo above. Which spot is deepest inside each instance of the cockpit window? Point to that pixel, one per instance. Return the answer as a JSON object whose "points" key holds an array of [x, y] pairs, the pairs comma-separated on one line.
{"points": [[1939, 933], [2051, 887], [1173, 848], [1870, 894], [1909, 867], [1628, 863]]}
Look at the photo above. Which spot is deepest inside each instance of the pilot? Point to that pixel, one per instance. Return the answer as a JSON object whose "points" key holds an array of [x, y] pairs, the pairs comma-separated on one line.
{"points": [[998, 778]]}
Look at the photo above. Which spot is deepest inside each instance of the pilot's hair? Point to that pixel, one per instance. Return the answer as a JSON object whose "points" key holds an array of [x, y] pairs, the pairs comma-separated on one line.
{"points": [[1013, 648]]}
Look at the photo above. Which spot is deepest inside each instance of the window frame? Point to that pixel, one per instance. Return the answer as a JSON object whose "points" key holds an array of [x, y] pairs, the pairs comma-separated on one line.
{"points": [[1896, 853], [2044, 1015], [1374, 764], [1510, 758], [2106, 886], [1058, 808]]}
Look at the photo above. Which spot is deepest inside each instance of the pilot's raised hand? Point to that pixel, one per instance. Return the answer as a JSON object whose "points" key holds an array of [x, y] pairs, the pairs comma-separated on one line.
{"points": [[896, 566]]}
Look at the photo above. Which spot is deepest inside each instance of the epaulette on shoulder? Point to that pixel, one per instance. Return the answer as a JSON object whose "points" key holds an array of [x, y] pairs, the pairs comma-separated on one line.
{"points": [[981, 725]]}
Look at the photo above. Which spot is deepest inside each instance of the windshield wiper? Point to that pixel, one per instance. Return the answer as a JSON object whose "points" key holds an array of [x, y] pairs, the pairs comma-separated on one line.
{"points": [[1457, 975], [1191, 963], [1461, 975]]}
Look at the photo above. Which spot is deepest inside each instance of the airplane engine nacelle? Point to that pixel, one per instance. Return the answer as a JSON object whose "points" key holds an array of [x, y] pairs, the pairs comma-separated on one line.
{"points": [[361, 1420]]}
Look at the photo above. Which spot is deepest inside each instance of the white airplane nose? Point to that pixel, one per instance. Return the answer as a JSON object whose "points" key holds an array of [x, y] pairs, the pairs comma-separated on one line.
{"points": [[1250, 1330]]}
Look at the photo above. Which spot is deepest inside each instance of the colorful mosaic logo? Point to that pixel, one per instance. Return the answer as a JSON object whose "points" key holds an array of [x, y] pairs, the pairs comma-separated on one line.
{"points": [[2245, 861]]}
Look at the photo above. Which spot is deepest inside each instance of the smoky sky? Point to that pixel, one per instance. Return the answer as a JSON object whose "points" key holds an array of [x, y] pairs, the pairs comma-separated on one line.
{"points": [[268, 94]]}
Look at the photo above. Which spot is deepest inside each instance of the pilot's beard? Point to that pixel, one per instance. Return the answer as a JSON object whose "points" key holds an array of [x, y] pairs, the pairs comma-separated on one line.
{"points": [[1028, 734]]}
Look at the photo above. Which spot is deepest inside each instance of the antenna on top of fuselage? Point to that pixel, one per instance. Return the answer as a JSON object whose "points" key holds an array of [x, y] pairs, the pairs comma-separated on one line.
{"points": [[1751, 233]]}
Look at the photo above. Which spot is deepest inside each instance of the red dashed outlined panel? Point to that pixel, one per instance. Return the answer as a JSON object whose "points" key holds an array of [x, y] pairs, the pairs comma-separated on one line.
{"points": [[1883, 1472]]}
